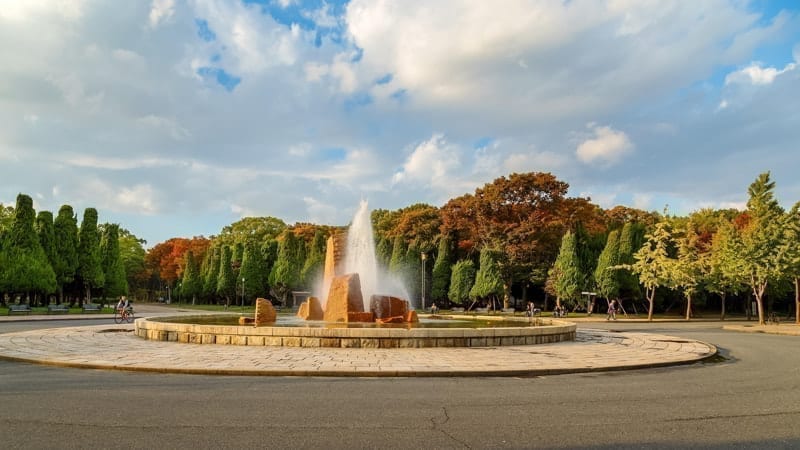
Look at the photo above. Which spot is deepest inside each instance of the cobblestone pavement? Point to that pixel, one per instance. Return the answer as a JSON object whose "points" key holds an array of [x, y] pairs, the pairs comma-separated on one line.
{"points": [[115, 347]]}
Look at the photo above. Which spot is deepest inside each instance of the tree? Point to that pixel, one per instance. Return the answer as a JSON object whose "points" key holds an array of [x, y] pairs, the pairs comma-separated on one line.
{"points": [[116, 283], [461, 281], [253, 272], [25, 268], [132, 256], [397, 262], [255, 230], [725, 270], [285, 275], [211, 272], [65, 231], [226, 282], [568, 277], [90, 270], [689, 271], [793, 254], [763, 240], [191, 283], [441, 271], [631, 238], [488, 283], [46, 234], [383, 252], [652, 263], [606, 274], [315, 260], [412, 271]]}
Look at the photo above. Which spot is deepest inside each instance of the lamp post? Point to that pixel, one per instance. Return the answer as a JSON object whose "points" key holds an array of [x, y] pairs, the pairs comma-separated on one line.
{"points": [[424, 257], [242, 292], [179, 293]]}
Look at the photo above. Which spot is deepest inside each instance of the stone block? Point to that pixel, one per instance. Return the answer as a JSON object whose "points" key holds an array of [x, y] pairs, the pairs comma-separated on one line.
{"points": [[360, 316], [392, 319], [384, 306], [265, 313], [344, 297], [246, 320], [311, 309], [412, 317]]}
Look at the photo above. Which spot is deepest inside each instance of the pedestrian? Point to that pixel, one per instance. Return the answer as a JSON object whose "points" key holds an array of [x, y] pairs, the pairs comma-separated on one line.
{"points": [[529, 310], [612, 310]]}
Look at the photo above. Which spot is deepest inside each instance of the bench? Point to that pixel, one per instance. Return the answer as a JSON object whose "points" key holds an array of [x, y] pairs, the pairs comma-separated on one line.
{"points": [[458, 309], [92, 307], [57, 309], [22, 309]]}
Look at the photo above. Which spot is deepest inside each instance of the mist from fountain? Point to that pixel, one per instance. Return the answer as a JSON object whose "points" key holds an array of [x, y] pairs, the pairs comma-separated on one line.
{"points": [[360, 258]]}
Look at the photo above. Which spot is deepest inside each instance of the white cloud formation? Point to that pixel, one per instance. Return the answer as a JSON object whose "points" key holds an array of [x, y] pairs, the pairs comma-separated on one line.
{"points": [[161, 11], [607, 146], [430, 163], [757, 75]]}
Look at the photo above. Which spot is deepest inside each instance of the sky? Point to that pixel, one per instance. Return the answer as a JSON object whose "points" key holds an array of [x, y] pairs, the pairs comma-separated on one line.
{"points": [[176, 118]]}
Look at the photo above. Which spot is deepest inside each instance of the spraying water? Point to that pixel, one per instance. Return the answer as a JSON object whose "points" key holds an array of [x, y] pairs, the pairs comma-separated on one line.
{"points": [[360, 258]]}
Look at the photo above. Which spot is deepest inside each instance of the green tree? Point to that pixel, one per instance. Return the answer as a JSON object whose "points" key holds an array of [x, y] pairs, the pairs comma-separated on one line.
{"points": [[397, 262], [46, 234], [116, 283], [285, 275], [689, 271], [652, 263], [763, 240], [569, 279], [24, 266], [132, 256], [793, 254], [461, 281], [226, 282], [383, 252], [488, 282], [254, 273], [412, 271], [90, 270], [441, 271], [65, 230], [315, 260], [606, 274], [725, 271], [191, 282], [253, 230], [631, 239], [211, 272]]}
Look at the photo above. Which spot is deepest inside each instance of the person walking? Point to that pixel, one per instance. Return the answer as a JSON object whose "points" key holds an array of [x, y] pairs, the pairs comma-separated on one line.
{"points": [[612, 310]]}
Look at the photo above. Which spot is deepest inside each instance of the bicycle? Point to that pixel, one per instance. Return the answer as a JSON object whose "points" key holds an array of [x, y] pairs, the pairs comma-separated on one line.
{"points": [[123, 315]]}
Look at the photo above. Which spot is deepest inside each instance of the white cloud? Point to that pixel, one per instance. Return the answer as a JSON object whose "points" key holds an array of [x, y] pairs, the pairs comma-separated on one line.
{"points": [[607, 146], [166, 124], [642, 201], [430, 162], [319, 211], [757, 75], [161, 11], [30, 9]]}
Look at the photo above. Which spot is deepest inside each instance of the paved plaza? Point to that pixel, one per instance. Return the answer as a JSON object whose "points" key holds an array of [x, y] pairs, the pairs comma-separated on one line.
{"points": [[111, 346]]}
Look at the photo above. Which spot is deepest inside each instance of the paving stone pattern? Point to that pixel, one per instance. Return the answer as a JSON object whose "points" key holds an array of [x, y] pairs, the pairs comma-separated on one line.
{"points": [[115, 347]]}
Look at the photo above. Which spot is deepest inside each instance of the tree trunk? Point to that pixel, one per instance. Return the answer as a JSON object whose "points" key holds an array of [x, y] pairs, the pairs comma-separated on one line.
{"points": [[722, 312], [651, 296], [797, 300], [758, 293], [506, 295], [688, 306]]}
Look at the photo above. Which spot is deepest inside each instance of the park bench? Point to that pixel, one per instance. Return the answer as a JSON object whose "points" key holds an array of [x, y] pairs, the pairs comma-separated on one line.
{"points": [[21, 308], [458, 309], [51, 309], [92, 307]]}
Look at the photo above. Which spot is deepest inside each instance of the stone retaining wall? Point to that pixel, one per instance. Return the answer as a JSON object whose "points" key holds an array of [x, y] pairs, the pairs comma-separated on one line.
{"points": [[551, 331]]}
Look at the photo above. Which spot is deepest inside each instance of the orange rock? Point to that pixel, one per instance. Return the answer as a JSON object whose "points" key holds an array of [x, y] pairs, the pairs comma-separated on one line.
{"points": [[360, 316], [246, 320], [387, 306], [411, 317], [265, 313], [393, 319], [311, 309], [344, 296]]}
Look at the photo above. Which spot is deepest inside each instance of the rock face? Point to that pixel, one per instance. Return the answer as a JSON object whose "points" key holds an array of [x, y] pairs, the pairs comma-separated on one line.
{"points": [[311, 309], [265, 313], [384, 306], [344, 297], [412, 317]]}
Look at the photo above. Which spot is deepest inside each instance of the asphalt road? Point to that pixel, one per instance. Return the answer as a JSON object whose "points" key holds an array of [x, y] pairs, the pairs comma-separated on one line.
{"points": [[751, 399]]}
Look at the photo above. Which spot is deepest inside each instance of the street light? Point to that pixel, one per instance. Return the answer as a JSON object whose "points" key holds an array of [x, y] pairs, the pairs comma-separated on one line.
{"points": [[424, 257], [179, 293], [242, 292]]}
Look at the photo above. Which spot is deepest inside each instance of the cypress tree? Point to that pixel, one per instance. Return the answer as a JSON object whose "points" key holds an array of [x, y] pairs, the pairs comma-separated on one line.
{"points": [[46, 234], [285, 274], [397, 261], [26, 268], [569, 280], [211, 273], [412, 271], [606, 276], [226, 282], [312, 269], [65, 230], [441, 271], [191, 282], [116, 282], [254, 273], [90, 270], [488, 282], [461, 281]]}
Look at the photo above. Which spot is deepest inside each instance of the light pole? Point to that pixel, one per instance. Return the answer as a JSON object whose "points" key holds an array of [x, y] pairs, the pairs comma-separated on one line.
{"points": [[179, 293], [242, 292], [424, 257]]}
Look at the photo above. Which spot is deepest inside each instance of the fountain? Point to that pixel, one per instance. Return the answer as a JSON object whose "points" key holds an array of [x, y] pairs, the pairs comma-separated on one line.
{"points": [[344, 319]]}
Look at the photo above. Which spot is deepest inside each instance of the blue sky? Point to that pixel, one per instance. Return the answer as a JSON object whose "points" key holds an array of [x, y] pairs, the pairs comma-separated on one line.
{"points": [[175, 118]]}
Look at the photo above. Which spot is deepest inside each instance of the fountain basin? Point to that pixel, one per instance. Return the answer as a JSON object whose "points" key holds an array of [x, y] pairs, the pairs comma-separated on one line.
{"points": [[513, 331]]}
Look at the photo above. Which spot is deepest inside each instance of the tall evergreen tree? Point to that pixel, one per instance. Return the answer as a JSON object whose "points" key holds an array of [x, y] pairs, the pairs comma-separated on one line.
{"points": [[383, 252], [65, 230], [226, 282], [568, 284], [312, 268], [461, 281], [488, 282], [397, 262], [90, 270], [191, 281], [285, 274], [116, 282], [211, 274], [254, 273], [606, 275], [412, 269], [46, 234], [25, 267], [440, 282], [630, 240]]}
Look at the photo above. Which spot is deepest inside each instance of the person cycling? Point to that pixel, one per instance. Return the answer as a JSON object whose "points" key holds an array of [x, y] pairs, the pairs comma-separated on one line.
{"points": [[123, 304]]}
